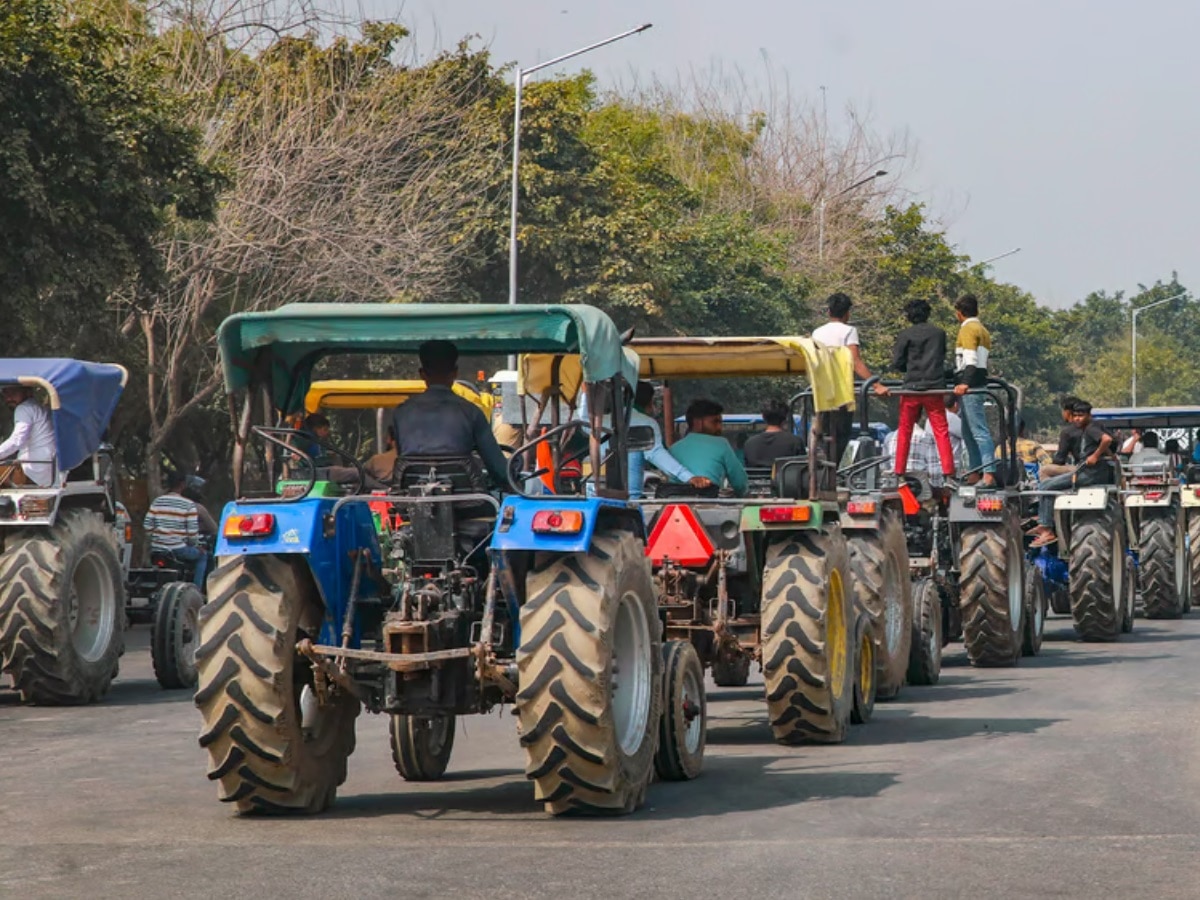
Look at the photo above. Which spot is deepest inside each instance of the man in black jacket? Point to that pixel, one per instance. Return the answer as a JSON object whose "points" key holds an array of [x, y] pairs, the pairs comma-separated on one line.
{"points": [[920, 353]]}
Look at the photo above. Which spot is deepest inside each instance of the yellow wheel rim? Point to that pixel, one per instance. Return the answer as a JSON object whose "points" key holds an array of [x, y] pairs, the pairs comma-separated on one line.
{"points": [[835, 633], [866, 665]]}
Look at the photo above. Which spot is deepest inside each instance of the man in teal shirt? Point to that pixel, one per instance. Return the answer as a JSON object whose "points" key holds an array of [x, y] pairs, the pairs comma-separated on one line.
{"points": [[705, 453]]}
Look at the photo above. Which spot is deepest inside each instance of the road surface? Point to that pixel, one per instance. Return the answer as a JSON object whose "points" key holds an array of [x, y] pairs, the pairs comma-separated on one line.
{"points": [[1074, 775]]}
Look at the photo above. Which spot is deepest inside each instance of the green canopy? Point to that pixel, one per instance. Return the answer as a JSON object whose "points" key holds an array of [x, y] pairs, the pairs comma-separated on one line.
{"points": [[290, 340]]}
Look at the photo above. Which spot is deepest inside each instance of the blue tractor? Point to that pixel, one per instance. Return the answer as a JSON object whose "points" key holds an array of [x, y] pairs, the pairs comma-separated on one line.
{"points": [[464, 601]]}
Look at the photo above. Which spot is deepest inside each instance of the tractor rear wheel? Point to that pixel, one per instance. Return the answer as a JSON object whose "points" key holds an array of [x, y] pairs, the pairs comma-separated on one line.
{"points": [[992, 590], [684, 718], [173, 635], [865, 670], [1193, 528], [879, 565], [590, 669], [1035, 611], [808, 638], [1163, 558], [1098, 570], [272, 747], [62, 610], [925, 658], [421, 745]]}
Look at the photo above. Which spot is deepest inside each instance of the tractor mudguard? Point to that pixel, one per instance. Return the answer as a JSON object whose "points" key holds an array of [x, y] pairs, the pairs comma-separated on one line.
{"points": [[786, 515], [1085, 498], [299, 530], [515, 524], [965, 506]]}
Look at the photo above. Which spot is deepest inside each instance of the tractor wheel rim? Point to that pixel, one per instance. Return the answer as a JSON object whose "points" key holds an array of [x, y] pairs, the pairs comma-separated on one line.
{"points": [[835, 633], [92, 607], [631, 676], [693, 699]]}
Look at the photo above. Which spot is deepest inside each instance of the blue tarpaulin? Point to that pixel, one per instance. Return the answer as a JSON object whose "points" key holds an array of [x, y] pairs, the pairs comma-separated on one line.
{"points": [[82, 398]]}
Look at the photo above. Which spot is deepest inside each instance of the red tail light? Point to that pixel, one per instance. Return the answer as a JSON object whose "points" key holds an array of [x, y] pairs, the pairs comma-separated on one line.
{"points": [[861, 507], [777, 515], [557, 521], [254, 525], [989, 504]]}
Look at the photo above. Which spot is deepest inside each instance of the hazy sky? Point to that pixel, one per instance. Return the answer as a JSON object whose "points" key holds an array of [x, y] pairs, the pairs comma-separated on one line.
{"points": [[1063, 128]]}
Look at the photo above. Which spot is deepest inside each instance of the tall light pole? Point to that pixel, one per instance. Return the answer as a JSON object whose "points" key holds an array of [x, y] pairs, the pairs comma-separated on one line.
{"points": [[519, 81], [821, 210], [1134, 313]]}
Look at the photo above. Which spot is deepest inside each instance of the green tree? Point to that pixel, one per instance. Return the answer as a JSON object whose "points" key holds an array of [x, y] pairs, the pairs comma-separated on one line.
{"points": [[94, 156]]}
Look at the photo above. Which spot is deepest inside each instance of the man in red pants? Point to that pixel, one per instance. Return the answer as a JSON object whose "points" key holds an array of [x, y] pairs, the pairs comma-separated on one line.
{"points": [[920, 353]]}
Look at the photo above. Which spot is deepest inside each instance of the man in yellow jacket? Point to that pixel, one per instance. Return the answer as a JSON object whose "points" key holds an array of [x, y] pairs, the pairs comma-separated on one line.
{"points": [[971, 352]]}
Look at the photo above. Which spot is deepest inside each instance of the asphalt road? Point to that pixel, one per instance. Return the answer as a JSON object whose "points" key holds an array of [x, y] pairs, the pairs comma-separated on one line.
{"points": [[1074, 775]]}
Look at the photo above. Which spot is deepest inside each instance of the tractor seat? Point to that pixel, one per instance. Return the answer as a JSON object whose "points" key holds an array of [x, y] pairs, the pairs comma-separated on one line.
{"points": [[463, 474], [791, 477]]}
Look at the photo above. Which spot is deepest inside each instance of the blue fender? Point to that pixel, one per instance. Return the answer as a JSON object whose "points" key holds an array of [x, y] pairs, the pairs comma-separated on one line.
{"points": [[514, 526], [300, 531]]}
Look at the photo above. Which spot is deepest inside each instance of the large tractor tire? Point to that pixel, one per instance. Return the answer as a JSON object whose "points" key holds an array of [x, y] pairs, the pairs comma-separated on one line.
{"points": [[866, 671], [1163, 558], [590, 670], [421, 746], [173, 636], [684, 720], [808, 638], [1098, 571], [271, 746], [1035, 611], [992, 593], [925, 657], [1193, 528], [62, 610], [879, 566], [731, 671]]}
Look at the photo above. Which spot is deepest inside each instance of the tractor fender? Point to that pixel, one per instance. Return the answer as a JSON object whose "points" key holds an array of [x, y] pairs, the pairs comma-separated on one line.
{"points": [[515, 524]]}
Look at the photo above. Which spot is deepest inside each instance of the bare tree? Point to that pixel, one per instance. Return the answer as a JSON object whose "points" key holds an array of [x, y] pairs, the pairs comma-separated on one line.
{"points": [[349, 178]]}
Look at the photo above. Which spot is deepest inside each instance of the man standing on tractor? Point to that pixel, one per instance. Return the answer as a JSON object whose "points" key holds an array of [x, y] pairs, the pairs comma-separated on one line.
{"points": [[173, 526], [438, 422], [838, 332], [920, 353], [31, 441], [704, 451], [971, 352], [1091, 451]]}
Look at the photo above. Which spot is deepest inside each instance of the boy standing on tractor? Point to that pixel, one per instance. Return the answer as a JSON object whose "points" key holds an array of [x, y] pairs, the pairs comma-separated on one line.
{"points": [[838, 332], [971, 352], [920, 353]]}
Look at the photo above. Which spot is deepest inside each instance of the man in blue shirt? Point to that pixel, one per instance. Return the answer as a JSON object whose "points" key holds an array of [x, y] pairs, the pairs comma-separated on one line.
{"points": [[705, 452]]}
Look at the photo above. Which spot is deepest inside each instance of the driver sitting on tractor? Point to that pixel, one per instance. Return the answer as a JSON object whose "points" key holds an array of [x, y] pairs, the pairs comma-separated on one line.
{"points": [[705, 452], [1091, 449], [438, 422], [173, 526], [31, 441]]}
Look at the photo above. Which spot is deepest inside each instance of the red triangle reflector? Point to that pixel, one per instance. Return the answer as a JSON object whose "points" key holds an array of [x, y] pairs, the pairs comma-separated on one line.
{"points": [[679, 536], [909, 500]]}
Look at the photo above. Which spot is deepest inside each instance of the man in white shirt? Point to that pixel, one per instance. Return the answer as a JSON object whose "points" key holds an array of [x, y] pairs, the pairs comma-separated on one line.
{"points": [[31, 441], [838, 332]]}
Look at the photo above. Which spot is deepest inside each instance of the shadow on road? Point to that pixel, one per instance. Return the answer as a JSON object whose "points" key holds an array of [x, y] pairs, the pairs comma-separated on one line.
{"points": [[1143, 634], [1085, 655]]}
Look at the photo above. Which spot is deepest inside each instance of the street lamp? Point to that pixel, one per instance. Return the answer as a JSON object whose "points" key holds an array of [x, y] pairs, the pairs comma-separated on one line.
{"points": [[519, 81], [1133, 320], [821, 210]]}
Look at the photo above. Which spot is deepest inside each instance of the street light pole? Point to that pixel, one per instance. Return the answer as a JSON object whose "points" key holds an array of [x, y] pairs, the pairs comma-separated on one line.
{"points": [[821, 211], [519, 81], [1133, 322]]}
